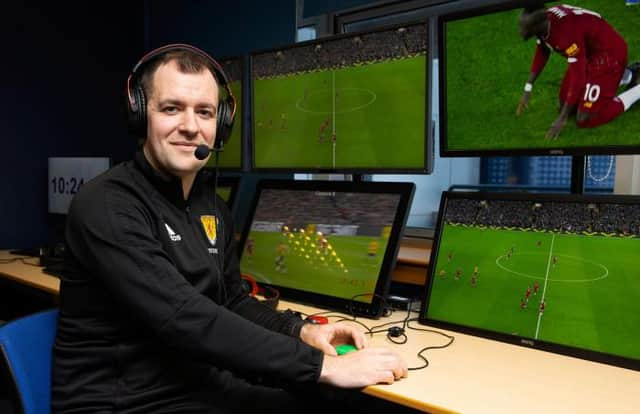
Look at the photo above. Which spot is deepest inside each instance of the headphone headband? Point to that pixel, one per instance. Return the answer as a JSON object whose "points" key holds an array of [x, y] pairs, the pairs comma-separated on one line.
{"points": [[220, 74]]}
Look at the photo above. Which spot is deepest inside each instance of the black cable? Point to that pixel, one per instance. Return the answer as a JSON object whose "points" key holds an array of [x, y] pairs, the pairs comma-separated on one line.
{"points": [[19, 259], [373, 295], [401, 332], [333, 314], [451, 338], [220, 230], [24, 261], [395, 331]]}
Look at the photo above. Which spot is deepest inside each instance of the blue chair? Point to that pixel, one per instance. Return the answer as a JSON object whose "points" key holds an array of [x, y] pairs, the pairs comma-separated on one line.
{"points": [[26, 345]]}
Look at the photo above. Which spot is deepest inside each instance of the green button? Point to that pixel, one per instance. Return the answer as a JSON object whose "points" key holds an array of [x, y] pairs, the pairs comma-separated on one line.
{"points": [[345, 349]]}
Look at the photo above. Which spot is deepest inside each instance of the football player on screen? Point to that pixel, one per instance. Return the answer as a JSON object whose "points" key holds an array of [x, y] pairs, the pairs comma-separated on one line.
{"points": [[597, 59]]}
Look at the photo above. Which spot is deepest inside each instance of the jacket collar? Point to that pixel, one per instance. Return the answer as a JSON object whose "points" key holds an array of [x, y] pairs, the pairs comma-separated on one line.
{"points": [[170, 188]]}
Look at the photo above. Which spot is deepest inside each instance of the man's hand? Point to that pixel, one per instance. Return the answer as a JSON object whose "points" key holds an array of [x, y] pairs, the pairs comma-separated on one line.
{"points": [[524, 103], [326, 337], [362, 368]]}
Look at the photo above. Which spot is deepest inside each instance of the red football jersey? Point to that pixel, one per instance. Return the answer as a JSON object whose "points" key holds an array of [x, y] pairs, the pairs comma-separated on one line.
{"points": [[587, 41]]}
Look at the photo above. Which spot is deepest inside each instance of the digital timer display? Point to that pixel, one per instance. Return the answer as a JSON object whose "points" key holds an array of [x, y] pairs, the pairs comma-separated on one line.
{"points": [[64, 185], [67, 175]]}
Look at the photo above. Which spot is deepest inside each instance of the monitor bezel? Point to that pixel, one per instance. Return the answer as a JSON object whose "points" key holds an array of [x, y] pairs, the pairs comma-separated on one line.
{"points": [[378, 303], [234, 184], [480, 11], [426, 168], [240, 115], [527, 342]]}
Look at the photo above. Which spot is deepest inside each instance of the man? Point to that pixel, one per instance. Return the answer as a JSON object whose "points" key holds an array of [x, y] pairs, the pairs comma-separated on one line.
{"points": [[372, 248], [155, 321], [282, 249], [250, 247], [597, 56]]}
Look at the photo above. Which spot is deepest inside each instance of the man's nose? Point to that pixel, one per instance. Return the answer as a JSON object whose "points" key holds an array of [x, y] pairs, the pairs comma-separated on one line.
{"points": [[189, 124]]}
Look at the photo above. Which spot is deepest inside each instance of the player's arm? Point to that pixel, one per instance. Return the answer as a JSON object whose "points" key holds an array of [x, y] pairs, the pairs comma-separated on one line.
{"points": [[539, 61], [577, 72], [561, 120]]}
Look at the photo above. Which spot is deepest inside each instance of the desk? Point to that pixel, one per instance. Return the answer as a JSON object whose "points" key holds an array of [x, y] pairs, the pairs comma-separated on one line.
{"points": [[28, 274], [476, 375], [473, 375], [413, 258]]}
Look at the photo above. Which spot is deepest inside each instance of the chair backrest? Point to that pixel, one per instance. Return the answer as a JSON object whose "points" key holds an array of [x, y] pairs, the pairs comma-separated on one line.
{"points": [[27, 344]]}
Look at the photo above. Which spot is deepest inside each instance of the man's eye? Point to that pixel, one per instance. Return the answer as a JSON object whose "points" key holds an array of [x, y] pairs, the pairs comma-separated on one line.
{"points": [[206, 113], [169, 109]]}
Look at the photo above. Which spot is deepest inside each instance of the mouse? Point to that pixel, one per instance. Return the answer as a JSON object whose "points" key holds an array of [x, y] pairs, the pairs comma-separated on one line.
{"points": [[345, 349]]}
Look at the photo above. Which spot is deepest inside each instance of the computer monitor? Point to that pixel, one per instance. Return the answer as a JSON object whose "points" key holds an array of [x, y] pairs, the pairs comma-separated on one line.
{"points": [[349, 103], [231, 158], [67, 175], [551, 272], [484, 65], [326, 243]]}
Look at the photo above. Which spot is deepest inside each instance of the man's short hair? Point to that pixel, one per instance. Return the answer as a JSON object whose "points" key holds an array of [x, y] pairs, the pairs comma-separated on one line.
{"points": [[188, 62]]}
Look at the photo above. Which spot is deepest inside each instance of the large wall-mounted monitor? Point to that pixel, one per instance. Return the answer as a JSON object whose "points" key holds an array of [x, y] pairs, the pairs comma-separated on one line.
{"points": [[552, 272], [349, 103], [231, 157], [484, 64], [330, 244], [67, 175]]}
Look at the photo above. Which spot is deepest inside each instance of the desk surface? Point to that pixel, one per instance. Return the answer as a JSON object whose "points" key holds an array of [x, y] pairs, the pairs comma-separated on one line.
{"points": [[476, 375], [28, 272], [473, 375]]}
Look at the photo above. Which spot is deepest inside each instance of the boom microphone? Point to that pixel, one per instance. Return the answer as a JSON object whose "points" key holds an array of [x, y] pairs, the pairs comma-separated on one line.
{"points": [[202, 152]]}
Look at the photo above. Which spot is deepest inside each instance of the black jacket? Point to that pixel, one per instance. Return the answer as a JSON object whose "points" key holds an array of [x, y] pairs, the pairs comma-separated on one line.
{"points": [[147, 321]]}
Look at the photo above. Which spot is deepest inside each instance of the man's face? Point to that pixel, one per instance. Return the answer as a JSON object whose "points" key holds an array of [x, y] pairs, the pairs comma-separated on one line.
{"points": [[182, 109]]}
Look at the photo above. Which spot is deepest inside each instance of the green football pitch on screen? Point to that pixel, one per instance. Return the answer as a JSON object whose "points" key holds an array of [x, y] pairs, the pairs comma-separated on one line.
{"points": [[224, 193], [231, 157], [362, 116], [590, 286], [346, 267], [487, 65]]}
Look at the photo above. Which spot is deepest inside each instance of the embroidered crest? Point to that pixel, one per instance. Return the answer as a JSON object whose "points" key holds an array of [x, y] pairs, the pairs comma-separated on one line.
{"points": [[209, 225]]}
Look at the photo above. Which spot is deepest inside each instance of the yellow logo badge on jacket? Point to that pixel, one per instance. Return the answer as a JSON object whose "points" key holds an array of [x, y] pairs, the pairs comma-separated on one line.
{"points": [[209, 225]]}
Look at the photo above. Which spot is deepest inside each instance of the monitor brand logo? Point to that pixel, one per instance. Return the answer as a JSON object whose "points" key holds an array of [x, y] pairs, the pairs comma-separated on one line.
{"points": [[172, 234]]}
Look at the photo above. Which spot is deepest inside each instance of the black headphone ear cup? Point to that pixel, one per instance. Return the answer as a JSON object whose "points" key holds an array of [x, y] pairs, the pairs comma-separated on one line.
{"points": [[137, 111], [224, 124]]}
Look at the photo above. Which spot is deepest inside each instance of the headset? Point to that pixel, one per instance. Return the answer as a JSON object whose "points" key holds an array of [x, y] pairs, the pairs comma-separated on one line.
{"points": [[271, 296], [137, 101]]}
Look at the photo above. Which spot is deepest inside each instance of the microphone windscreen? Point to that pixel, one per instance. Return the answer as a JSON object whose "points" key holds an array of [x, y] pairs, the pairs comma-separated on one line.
{"points": [[202, 152]]}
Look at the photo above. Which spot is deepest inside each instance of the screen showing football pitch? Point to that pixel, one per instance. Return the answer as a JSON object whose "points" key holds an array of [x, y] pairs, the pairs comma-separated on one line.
{"points": [[231, 158], [331, 244], [557, 273], [349, 103], [585, 59]]}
